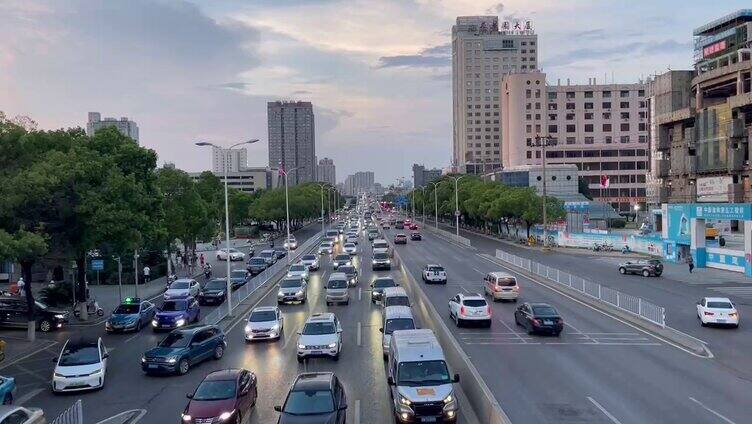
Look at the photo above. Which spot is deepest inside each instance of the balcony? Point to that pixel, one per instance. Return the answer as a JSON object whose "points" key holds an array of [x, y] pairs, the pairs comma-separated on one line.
{"points": [[736, 128], [664, 140], [736, 193], [662, 168], [735, 160], [689, 138]]}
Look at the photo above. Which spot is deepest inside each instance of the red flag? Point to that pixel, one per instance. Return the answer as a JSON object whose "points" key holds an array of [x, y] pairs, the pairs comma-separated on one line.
{"points": [[604, 181]]}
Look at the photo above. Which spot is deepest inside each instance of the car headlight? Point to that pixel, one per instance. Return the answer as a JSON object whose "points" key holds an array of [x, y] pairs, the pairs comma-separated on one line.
{"points": [[225, 415], [301, 346], [332, 345], [373, 261], [248, 328], [180, 322], [60, 316], [154, 323], [172, 360], [405, 401], [275, 327], [186, 418], [59, 375], [348, 263], [299, 293], [143, 359], [449, 398], [289, 274], [280, 294], [388, 261]]}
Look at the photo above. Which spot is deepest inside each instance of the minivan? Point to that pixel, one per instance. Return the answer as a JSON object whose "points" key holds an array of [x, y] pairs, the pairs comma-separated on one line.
{"points": [[337, 289], [394, 318], [501, 286], [418, 376], [394, 296]]}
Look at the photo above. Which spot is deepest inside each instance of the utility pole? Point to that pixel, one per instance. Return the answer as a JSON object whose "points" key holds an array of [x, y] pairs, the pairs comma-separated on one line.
{"points": [[543, 142], [457, 205], [436, 203], [135, 269]]}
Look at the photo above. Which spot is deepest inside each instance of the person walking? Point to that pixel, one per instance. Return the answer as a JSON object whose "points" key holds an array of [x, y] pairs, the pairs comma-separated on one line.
{"points": [[21, 285], [201, 259], [690, 263], [147, 273]]}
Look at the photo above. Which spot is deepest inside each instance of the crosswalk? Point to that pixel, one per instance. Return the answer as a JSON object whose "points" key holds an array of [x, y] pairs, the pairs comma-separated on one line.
{"points": [[743, 292]]}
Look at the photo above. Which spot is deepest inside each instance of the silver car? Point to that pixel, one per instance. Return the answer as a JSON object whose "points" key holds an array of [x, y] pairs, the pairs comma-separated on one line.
{"points": [[293, 289], [337, 289]]}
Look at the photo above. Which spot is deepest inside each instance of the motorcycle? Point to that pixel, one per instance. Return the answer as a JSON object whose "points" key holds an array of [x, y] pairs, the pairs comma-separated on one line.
{"points": [[207, 273], [92, 308], [170, 279], [625, 250]]}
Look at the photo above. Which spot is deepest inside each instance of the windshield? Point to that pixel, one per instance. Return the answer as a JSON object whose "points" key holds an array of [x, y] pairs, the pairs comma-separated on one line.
{"points": [[257, 261], [262, 316], [720, 305], [266, 253], [398, 324], [336, 284], [545, 311], [238, 274], [380, 246], [175, 305], [126, 309], [215, 285], [308, 258], [290, 283], [349, 270], [380, 255], [309, 402], [422, 373], [386, 282], [342, 257], [215, 390], [474, 303], [79, 355], [332, 233], [398, 301], [179, 285], [318, 328], [297, 268], [175, 339], [436, 268]]}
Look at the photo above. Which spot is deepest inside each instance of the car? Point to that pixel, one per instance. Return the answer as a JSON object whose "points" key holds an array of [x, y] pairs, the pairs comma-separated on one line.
{"points": [[352, 239], [400, 239], [256, 265], [298, 270], [280, 252], [399, 225], [314, 398], [235, 255], [467, 308], [321, 336], [264, 322], [394, 318], [7, 389], [292, 289], [223, 396], [352, 274], [380, 244], [182, 288], [381, 260], [378, 285], [333, 234], [372, 235], [326, 247], [337, 289], [19, 415], [341, 259], [269, 255], [82, 365], [416, 236], [385, 225], [291, 244], [646, 268], [239, 278], [539, 318], [394, 296], [14, 314], [213, 293], [350, 248], [311, 261], [184, 348], [433, 273], [717, 310], [175, 314], [130, 315], [501, 286]]}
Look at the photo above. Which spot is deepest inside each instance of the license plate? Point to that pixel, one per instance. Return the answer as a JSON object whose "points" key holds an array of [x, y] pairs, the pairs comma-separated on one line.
{"points": [[547, 321], [428, 419], [721, 320], [315, 352], [153, 367]]}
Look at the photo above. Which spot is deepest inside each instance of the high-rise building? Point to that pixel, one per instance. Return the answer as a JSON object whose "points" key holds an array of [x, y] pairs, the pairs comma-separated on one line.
{"points": [[292, 143], [601, 128], [326, 172], [701, 120], [359, 182], [124, 125], [423, 176], [234, 159], [482, 53]]}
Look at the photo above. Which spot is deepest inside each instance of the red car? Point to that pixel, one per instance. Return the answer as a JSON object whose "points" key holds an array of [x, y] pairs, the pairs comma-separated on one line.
{"points": [[224, 396], [400, 239], [413, 226]]}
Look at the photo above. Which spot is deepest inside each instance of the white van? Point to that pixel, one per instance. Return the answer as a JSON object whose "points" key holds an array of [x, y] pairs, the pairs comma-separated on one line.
{"points": [[501, 286], [394, 318], [394, 296], [419, 379]]}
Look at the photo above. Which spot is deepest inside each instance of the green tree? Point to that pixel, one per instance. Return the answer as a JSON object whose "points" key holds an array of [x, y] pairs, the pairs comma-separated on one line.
{"points": [[583, 188], [187, 215]]}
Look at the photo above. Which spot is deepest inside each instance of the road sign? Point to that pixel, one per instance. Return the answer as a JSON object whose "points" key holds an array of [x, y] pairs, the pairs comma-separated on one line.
{"points": [[457, 213], [97, 264]]}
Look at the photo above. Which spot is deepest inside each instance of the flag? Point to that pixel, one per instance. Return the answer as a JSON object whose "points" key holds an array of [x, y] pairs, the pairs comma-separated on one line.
{"points": [[604, 181], [281, 170]]}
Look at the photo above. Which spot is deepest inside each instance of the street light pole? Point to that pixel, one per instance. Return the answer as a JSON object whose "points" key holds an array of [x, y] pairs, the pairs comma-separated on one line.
{"points": [[120, 278], [228, 286], [543, 142], [322, 206], [436, 203], [287, 208], [457, 205]]}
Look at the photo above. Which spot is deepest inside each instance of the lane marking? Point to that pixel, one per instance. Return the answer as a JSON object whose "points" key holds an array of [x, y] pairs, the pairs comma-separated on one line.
{"points": [[478, 271], [717, 414], [25, 398], [356, 412], [358, 338], [360, 293], [289, 336], [134, 416], [602, 409], [511, 330]]}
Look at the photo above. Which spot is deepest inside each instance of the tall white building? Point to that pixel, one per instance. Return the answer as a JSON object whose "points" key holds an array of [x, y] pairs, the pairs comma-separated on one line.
{"points": [[124, 125], [235, 159], [483, 51], [326, 172], [359, 182], [292, 141]]}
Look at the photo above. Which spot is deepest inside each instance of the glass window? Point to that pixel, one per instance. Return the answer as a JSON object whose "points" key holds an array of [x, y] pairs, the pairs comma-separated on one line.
{"points": [[75, 355], [423, 373], [305, 402], [319, 328], [398, 324], [210, 390]]}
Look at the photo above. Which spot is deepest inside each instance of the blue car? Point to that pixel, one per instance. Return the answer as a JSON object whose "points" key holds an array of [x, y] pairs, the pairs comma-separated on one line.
{"points": [[176, 313], [184, 348], [131, 315], [7, 389]]}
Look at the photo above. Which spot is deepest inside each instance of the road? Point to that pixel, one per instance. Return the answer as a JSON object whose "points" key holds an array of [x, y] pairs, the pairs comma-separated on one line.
{"points": [[601, 370]]}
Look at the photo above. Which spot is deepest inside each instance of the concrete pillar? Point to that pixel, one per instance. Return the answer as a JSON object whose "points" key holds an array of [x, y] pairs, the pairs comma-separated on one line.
{"points": [[748, 248], [697, 241]]}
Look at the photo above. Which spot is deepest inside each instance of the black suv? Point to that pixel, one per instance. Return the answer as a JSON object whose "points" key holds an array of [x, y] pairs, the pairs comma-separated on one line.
{"points": [[14, 313], [644, 267], [315, 397]]}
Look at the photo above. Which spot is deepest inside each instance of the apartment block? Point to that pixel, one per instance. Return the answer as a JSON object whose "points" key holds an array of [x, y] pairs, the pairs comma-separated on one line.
{"points": [[124, 125], [292, 140], [234, 159], [326, 172], [423, 176]]}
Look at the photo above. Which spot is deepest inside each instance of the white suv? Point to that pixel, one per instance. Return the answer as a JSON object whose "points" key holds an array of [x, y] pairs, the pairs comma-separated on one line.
{"points": [[465, 308], [321, 336], [433, 273]]}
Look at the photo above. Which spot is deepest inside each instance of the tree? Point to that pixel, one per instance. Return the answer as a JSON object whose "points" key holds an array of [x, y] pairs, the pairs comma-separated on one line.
{"points": [[187, 215], [583, 188]]}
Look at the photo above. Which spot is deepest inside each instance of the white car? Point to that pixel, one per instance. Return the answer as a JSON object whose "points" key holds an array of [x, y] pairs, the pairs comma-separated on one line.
{"points": [[180, 289], [321, 336], [350, 249], [291, 244], [235, 255], [19, 414], [311, 261], [465, 308], [717, 310], [326, 247], [82, 365], [352, 238], [264, 322], [433, 273], [298, 270]]}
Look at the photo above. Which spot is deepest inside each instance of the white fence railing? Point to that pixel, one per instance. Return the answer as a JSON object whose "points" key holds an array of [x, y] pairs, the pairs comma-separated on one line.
{"points": [[73, 415], [626, 302], [261, 280]]}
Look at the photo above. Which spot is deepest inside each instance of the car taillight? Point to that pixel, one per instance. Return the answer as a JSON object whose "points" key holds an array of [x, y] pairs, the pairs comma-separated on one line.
{"points": [[462, 310], [709, 313], [732, 314], [488, 308], [516, 288]]}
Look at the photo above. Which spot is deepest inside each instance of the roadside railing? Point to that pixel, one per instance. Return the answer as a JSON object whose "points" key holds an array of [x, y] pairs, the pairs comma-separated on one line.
{"points": [[449, 235], [261, 280], [73, 415], [626, 302]]}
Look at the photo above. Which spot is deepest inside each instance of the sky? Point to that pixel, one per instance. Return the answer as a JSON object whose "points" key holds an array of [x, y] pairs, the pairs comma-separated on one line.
{"points": [[378, 72]]}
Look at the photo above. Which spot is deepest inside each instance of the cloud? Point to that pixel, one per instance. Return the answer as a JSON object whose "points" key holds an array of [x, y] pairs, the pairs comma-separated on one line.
{"points": [[496, 9], [431, 57], [589, 34], [634, 50]]}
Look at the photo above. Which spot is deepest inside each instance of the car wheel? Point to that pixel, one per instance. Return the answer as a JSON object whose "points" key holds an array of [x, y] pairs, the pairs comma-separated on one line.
{"points": [[8, 399], [218, 258], [347, 302], [45, 326], [198, 317], [530, 331], [622, 270], [183, 366], [516, 321], [219, 352], [328, 303], [645, 273], [138, 326]]}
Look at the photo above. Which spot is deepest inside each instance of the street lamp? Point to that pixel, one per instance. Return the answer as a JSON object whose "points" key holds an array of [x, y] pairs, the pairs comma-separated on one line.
{"points": [[422, 201], [543, 142], [457, 204], [284, 172], [227, 213], [322, 204], [436, 202]]}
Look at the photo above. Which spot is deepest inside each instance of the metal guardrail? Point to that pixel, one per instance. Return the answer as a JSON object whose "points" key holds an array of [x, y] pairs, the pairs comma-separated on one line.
{"points": [[243, 292], [449, 235], [626, 302], [73, 415]]}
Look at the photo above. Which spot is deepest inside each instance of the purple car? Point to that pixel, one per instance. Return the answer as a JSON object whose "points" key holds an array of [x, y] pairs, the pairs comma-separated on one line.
{"points": [[175, 314]]}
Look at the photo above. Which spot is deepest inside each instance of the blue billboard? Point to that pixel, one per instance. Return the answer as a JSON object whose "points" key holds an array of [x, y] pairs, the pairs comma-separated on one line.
{"points": [[678, 222]]}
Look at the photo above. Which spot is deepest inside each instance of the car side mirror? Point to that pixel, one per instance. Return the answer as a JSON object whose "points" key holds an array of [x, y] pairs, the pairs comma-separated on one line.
{"points": [[106, 355], [390, 381], [456, 378], [278, 408], [343, 407], [189, 395], [299, 333], [54, 360], [381, 330]]}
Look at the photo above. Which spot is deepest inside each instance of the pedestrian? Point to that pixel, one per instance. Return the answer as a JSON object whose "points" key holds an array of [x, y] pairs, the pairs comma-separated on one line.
{"points": [[21, 285], [690, 263], [147, 272], [201, 259]]}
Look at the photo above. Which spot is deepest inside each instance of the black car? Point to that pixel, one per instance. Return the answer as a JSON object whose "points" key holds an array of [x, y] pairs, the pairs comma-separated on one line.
{"points": [[314, 398], [415, 236], [14, 313], [213, 293], [239, 278], [280, 252], [256, 265], [539, 318], [378, 285], [184, 348]]}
